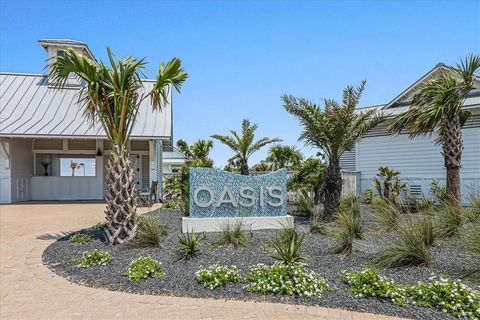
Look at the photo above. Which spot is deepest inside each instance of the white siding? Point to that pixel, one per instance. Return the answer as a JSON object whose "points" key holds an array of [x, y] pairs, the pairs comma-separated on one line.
{"points": [[347, 160], [21, 164], [419, 160]]}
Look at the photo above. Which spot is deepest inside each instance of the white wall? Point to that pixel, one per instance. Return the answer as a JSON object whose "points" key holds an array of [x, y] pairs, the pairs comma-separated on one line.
{"points": [[5, 188], [21, 164], [69, 188], [419, 160]]}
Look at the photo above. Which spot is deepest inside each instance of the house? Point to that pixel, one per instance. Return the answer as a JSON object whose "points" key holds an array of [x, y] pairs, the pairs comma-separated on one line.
{"points": [[50, 151], [419, 160]]}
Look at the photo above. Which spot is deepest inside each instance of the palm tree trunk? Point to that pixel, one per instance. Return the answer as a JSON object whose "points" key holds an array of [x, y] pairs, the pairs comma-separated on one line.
{"points": [[244, 169], [452, 153], [120, 197], [332, 189]]}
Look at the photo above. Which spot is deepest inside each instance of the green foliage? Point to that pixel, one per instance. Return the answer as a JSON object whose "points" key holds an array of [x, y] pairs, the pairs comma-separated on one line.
{"points": [[448, 296], [216, 275], [144, 267], [199, 150], [80, 238], [386, 213], [388, 184], [149, 232], [287, 246], [318, 225], [348, 217], [189, 244], [285, 279], [233, 234], [305, 205], [415, 236], [92, 258], [345, 241], [472, 238], [367, 196], [438, 191], [449, 219], [243, 145], [174, 204], [309, 178], [101, 226], [288, 157]]}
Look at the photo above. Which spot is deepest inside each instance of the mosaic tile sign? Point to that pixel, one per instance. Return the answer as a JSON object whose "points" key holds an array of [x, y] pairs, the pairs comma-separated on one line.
{"points": [[218, 193]]}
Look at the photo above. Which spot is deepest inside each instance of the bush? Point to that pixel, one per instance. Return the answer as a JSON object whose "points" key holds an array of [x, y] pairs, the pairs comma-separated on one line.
{"points": [[172, 205], [189, 245], [101, 226], [287, 247], [367, 196], [286, 279], [80, 238], [149, 232], [345, 241], [387, 214], [144, 267], [411, 249], [305, 205], [448, 221], [232, 234], [448, 296], [92, 258], [216, 275], [348, 218], [438, 191], [318, 225], [472, 239]]}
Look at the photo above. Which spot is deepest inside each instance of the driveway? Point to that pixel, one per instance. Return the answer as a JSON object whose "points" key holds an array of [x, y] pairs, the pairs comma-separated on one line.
{"points": [[29, 290]]}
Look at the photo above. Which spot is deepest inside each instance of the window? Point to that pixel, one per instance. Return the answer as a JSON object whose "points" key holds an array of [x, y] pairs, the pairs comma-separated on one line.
{"points": [[77, 167], [60, 53]]}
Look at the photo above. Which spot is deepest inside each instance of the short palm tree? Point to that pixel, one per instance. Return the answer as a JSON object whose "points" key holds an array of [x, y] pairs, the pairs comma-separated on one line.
{"points": [[284, 157], [111, 95], [199, 150], [333, 129], [438, 107], [243, 145]]}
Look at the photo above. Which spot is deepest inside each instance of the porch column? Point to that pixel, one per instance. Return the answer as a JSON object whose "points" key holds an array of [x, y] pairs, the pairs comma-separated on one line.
{"points": [[159, 167]]}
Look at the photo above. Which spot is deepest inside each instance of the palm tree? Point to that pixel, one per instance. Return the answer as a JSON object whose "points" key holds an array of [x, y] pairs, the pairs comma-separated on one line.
{"points": [[73, 166], [438, 107], [333, 130], [112, 96], [199, 150], [309, 178], [244, 146], [262, 166], [284, 157]]}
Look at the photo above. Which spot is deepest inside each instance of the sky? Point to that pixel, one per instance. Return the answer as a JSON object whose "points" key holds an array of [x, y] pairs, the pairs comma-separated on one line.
{"points": [[242, 56]]}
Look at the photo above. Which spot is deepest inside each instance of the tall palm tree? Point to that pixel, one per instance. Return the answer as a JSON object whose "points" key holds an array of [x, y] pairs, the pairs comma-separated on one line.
{"points": [[244, 146], [437, 107], [334, 130], [284, 157], [199, 150], [112, 96]]}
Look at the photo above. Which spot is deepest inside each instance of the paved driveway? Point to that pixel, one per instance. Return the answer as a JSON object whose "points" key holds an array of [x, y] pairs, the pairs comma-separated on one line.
{"points": [[29, 290]]}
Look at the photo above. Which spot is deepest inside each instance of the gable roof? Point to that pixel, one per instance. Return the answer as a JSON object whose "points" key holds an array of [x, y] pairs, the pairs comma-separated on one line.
{"points": [[29, 107]]}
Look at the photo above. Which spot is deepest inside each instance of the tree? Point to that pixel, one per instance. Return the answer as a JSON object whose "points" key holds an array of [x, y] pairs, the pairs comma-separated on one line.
{"points": [[391, 187], [199, 150], [288, 157], [309, 178], [111, 96], [334, 130], [244, 146], [262, 166], [437, 107]]}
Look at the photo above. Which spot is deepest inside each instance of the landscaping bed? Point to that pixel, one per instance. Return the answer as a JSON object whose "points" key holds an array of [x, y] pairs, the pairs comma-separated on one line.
{"points": [[179, 279]]}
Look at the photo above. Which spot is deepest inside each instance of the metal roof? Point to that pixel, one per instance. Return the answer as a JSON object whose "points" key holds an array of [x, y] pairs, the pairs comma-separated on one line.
{"points": [[29, 107]]}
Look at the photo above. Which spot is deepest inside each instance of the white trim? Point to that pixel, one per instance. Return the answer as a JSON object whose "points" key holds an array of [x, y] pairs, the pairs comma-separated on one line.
{"points": [[190, 224]]}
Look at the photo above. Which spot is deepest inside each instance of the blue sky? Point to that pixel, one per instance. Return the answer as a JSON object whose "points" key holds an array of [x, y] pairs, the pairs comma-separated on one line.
{"points": [[242, 56]]}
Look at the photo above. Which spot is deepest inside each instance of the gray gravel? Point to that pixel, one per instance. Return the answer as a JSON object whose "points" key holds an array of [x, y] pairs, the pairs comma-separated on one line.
{"points": [[179, 279]]}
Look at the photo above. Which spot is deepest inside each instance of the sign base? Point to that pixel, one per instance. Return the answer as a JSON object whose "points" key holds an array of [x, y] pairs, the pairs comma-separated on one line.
{"points": [[249, 223]]}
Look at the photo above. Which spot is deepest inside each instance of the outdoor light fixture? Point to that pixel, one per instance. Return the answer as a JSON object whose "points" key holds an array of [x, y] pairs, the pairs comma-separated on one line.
{"points": [[99, 152]]}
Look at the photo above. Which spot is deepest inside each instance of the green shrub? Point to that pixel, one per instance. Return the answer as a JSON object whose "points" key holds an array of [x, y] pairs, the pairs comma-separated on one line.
{"points": [[387, 214], [80, 238], [232, 234], [348, 202], [472, 238], [172, 205], [318, 225], [92, 258], [144, 267], [216, 275], [284, 235], [348, 218], [286, 279], [287, 249], [189, 245], [411, 248], [448, 221], [149, 232], [305, 205], [448, 296], [438, 191], [345, 241], [101, 226], [367, 196]]}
